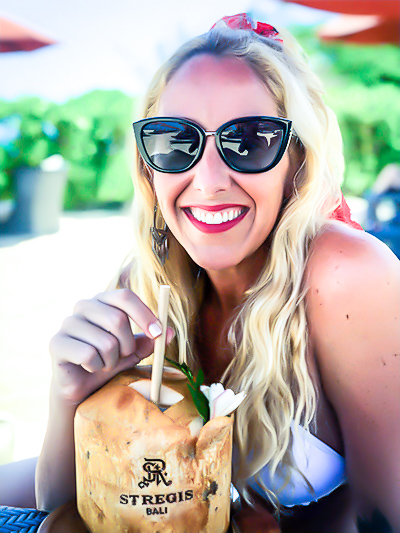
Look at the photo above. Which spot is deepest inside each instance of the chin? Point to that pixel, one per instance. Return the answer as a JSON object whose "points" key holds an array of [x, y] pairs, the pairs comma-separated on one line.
{"points": [[216, 261]]}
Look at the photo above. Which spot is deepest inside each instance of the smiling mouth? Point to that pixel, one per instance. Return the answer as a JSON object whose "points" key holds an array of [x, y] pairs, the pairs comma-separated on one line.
{"points": [[214, 218]]}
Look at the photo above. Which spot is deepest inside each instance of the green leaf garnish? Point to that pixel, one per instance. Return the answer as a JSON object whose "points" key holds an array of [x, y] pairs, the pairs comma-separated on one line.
{"points": [[200, 401]]}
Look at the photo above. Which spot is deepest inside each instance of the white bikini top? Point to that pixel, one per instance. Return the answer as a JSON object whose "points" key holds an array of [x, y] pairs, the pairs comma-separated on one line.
{"points": [[319, 463]]}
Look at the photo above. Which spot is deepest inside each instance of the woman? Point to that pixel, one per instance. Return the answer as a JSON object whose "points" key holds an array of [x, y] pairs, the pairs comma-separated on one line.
{"points": [[270, 294]]}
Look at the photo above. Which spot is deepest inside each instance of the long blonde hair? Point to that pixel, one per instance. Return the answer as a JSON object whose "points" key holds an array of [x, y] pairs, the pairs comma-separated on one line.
{"points": [[268, 336]]}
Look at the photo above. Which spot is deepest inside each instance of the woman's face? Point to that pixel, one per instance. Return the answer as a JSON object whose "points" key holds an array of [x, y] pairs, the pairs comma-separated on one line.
{"points": [[212, 91]]}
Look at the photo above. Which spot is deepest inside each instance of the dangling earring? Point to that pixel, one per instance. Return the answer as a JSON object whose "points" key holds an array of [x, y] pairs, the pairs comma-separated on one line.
{"points": [[159, 239], [199, 274]]}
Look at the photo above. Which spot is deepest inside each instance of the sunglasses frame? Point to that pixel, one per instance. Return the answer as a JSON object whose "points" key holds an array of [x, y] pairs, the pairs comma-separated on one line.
{"points": [[285, 123]]}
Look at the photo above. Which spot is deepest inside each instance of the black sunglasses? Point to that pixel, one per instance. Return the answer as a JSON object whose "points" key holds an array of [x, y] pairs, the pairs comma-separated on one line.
{"points": [[248, 144]]}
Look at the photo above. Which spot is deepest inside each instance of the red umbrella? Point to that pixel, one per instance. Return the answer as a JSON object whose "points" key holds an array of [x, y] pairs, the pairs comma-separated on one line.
{"points": [[14, 37], [363, 21]]}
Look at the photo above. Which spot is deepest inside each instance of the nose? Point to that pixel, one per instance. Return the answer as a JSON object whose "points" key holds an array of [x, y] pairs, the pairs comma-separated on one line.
{"points": [[211, 174]]}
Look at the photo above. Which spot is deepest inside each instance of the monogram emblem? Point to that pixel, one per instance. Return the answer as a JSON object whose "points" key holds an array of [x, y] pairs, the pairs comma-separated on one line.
{"points": [[155, 470]]}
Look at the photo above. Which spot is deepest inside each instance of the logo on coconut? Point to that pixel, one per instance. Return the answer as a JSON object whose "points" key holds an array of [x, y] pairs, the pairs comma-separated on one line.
{"points": [[155, 469]]}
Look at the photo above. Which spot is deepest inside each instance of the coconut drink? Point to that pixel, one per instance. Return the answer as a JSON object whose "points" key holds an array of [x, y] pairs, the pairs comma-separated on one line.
{"points": [[145, 466], [141, 469]]}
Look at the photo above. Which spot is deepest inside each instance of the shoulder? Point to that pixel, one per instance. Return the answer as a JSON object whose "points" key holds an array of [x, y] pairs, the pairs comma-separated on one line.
{"points": [[340, 253], [353, 312], [353, 296], [122, 279], [347, 270]]}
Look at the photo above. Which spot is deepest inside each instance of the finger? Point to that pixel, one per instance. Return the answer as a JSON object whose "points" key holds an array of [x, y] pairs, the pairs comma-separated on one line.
{"points": [[105, 343], [110, 319], [125, 363], [69, 350], [133, 306], [143, 346]]}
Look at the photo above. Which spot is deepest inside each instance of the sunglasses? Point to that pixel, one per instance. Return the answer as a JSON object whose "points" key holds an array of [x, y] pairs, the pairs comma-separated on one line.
{"points": [[248, 144]]}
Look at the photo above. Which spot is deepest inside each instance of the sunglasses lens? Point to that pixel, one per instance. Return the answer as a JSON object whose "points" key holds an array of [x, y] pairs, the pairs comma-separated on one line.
{"points": [[170, 146], [252, 146]]}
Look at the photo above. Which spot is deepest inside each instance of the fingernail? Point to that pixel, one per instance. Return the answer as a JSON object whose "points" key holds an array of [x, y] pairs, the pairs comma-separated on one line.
{"points": [[155, 330]]}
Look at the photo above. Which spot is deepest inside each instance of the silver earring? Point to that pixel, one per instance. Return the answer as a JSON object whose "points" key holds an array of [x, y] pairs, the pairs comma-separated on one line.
{"points": [[159, 239]]}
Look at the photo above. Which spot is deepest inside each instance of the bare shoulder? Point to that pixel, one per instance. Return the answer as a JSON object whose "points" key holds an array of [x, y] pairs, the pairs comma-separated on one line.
{"points": [[353, 283], [349, 275], [353, 312], [342, 254], [122, 278]]}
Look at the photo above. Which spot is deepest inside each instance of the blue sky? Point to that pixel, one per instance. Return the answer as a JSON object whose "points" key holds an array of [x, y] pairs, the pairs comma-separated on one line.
{"points": [[116, 44]]}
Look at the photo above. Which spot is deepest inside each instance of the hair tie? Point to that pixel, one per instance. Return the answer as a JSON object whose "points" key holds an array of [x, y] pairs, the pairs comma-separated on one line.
{"points": [[242, 21], [342, 213]]}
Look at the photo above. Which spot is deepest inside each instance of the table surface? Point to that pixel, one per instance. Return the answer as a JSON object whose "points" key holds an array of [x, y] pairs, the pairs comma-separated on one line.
{"points": [[65, 519], [13, 519]]}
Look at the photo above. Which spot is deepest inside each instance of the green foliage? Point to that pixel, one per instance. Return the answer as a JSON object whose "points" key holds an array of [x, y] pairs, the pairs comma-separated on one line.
{"points": [[27, 145], [90, 132], [362, 85], [194, 384], [371, 64]]}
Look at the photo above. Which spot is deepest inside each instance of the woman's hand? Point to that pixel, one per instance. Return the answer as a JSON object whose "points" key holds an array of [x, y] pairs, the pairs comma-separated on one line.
{"points": [[96, 343]]}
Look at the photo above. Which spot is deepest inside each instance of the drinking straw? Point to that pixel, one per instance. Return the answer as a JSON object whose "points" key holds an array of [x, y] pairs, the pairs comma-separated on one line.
{"points": [[159, 345]]}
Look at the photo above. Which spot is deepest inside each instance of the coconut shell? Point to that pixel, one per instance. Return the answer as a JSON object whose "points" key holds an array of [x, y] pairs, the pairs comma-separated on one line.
{"points": [[140, 469]]}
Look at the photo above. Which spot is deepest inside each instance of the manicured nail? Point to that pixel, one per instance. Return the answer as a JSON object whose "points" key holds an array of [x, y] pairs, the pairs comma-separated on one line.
{"points": [[155, 330]]}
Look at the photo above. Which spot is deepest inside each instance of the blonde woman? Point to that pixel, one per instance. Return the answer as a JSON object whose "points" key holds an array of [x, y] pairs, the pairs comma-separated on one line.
{"points": [[274, 290]]}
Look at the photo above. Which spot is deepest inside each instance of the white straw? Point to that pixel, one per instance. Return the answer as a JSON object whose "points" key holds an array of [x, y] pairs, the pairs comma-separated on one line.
{"points": [[159, 344]]}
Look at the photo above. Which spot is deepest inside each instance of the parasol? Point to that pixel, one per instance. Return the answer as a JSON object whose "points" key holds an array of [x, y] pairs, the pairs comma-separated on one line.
{"points": [[15, 38], [362, 22]]}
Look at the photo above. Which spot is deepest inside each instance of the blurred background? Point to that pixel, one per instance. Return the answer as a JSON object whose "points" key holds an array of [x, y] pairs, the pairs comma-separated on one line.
{"points": [[72, 78]]}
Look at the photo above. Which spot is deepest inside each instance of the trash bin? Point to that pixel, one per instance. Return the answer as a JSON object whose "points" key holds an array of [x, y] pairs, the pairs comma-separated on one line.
{"points": [[39, 198]]}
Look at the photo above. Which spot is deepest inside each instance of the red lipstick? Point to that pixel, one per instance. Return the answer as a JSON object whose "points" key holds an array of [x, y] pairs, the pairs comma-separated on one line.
{"points": [[215, 228]]}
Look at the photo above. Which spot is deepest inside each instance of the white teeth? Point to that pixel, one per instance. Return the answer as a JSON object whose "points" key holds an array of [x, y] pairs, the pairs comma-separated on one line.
{"points": [[217, 217], [209, 218]]}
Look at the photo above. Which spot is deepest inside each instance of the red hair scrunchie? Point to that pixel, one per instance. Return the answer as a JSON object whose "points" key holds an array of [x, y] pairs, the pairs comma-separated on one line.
{"points": [[342, 213], [242, 21]]}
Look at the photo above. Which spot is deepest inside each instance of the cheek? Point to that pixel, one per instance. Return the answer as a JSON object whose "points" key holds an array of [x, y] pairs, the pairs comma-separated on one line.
{"points": [[160, 189], [166, 194]]}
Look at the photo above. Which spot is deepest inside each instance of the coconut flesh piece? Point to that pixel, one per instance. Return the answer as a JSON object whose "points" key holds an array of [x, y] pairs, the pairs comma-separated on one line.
{"points": [[141, 469], [168, 398]]}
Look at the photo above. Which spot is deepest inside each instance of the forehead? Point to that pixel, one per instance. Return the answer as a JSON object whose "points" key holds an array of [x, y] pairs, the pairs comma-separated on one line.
{"points": [[212, 90]]}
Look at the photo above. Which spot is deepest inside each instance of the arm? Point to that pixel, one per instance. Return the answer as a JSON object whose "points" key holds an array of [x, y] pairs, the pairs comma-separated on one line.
{"points": [[93, 345], [17, 487], [354, 316]]}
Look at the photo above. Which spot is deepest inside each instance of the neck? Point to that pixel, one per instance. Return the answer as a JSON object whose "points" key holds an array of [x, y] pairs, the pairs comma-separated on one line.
{"points": [[229, 285]]}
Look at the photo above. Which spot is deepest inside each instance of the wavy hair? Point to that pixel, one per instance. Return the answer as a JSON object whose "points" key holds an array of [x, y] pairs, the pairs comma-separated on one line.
{"points": [[268, 335]]}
